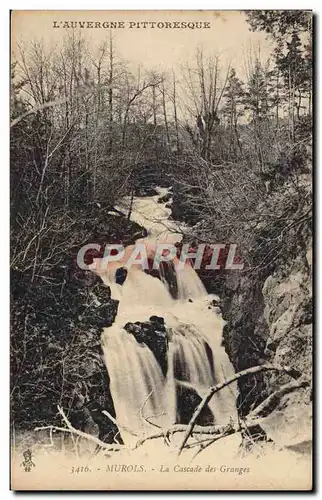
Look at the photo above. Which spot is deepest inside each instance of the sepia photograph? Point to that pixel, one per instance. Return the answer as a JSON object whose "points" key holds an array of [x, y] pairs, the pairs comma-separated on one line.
{"points": [[161, 250]]}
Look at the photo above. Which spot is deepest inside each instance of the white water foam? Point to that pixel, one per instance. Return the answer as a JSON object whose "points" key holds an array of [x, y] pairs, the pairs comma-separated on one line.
{"points": [[143, 397]]}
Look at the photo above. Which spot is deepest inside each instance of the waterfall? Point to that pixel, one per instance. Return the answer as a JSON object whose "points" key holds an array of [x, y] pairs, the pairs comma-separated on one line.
{"points": [[137, 384], [144, 397], [189, 284]]}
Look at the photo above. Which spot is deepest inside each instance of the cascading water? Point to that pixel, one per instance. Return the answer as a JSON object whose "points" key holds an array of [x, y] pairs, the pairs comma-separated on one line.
{"points": [[143, 395]]}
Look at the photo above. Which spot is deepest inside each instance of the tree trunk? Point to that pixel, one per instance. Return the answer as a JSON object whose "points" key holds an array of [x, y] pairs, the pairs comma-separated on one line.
{"points": [[165, 115], [175, 113], [110, 95]]}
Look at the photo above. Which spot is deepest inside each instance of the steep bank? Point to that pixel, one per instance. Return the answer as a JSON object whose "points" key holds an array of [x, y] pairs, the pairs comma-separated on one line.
{"points": [[271, 321], [268, 306], [56, 327]]}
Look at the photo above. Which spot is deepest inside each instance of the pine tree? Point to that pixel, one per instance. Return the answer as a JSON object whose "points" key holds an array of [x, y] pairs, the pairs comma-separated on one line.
{"points": [[256, 97], [292, 32], [280, 23], [233, 108], [259, 106]]}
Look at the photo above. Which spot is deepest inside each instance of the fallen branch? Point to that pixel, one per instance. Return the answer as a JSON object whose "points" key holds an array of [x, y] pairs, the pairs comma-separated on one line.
{"points": [[213, 390], [145, 419], [82, 434], [89, 437], [227, 431], [112, 419], [199, 429], [270, 403], [218, 432]]}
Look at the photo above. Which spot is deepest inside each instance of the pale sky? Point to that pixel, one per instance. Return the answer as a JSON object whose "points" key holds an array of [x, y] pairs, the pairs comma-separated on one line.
{"points": [[152, 47]]}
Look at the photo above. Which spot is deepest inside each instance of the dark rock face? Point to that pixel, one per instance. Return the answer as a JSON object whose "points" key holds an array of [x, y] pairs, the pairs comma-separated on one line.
{"points": [[145, 190], [63, 313], [244, 336], [87, 416], [182, 210], [149, 177], [187, 402], [187, 397], [102, 310], [269, 320], [107, 429], [165, 198], [165, 273], [153, 333], [120, 275]]}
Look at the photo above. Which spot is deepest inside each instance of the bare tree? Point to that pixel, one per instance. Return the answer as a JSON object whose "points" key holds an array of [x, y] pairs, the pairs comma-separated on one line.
{"points": [[206, 87]]}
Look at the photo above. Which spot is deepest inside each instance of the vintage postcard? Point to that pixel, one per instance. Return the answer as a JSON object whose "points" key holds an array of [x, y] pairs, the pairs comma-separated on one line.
{"points": [[161, 250]]}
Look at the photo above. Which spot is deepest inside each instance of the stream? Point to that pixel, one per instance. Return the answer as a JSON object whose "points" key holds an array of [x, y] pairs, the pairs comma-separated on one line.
{"points": [[144, 397]]}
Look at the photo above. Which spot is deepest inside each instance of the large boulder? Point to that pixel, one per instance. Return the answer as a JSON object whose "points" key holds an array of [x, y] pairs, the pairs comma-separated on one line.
{"points": [[153, 333]]}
